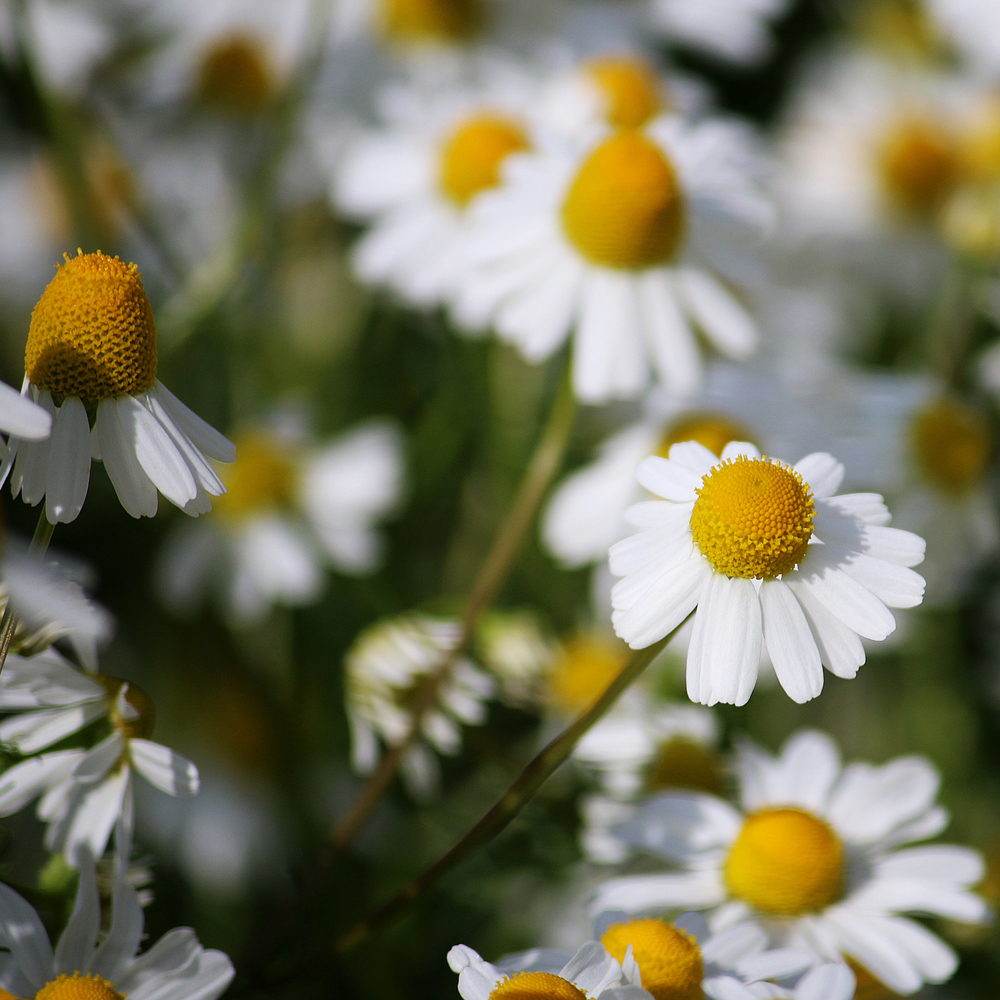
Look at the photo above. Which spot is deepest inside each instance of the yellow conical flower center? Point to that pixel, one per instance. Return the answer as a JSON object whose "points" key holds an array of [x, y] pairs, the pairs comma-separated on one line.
{"points": [[137, 723], [471, 156], [682, 763], [431, 20], [583, 670], [785, 862], [624, 208], [536, 986], [263, 477], [92, 333], [753, 518], [630, 90], [77, 987], [235, 76], [952, 445], [669, 958], [919, 166], [711, 430]]}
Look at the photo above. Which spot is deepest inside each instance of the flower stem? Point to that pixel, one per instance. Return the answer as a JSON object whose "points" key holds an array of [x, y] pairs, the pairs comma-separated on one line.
{"points": [[39, 545]]}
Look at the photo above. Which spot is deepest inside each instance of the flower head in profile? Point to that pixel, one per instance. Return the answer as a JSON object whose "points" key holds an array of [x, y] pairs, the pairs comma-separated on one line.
{"points": [[84, 792], [762, 552], [625, 239], [91, 359], [814, 854], [80, 967]]}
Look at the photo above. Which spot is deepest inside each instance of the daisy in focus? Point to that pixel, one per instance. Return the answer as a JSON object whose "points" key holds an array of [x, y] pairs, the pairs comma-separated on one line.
{"points": [[815, 855], [624, 239], [176, 966], [385, 668], [84, 792], [92, 346], [290, 508], [762, 552]]}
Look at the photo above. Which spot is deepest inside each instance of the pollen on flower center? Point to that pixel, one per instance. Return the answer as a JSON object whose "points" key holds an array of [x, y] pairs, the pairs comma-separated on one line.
{"points": [[471, 156], [235, 76], [583, 670], [79, 987], [785, 862], [952, 445], [431, 20], [624, 208], [92, 332], [712, 430], [262, 478], [669, 958], [630, 90], [536, 986], [137, 717], [753, 518], [919, 166]]}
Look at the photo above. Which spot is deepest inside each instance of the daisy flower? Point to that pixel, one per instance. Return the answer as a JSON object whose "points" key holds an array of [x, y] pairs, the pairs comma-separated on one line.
{"points": [[408, 22], [620, 239], [92, 345], [384, 669], [761, 551], [815, 855], [290, 508], [83, 791], [514, 647], [446, 133], [176, 966]]}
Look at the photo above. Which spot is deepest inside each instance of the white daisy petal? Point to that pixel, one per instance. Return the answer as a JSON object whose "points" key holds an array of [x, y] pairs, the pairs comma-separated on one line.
{"points": [[168, 771], [672, 344], [133, 487], [657, 893], [76, 944], [832, 981], [859, 937], [69, 463], [736, 448], [822, 472], [670, 480], [723, 320], [99, 759], [202, 434], [25, 932], [25, 781], [156, 452], [895, 586], [841, 650], [661, 609], [91, 823], [790, 642], [846, 599], [681, 826], [34, 731]]}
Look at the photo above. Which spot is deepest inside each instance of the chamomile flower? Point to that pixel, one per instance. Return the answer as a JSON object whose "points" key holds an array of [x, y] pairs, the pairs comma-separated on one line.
{"points": [[409, 22], [814, 855], [291, 507], [92, 346], [176, 966], [445, 138], [384, 671], [83, 792], [620, 240], [764, 552]]}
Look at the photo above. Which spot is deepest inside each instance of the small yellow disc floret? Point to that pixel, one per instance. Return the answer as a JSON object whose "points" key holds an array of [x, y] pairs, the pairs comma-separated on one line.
{"points": [[472, 155], [630, 89], [624, 208], [669, 958], [431, 20], [536, 986], [263, 477], [711, 430], [683, 763], [753, 518], [919, 165], [785, 862], [235, 76], [92, 333], [952, 444], [583, 670], [77, 987]]}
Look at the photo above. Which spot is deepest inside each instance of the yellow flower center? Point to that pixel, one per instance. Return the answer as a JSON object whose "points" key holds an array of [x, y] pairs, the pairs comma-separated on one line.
{"points": [[431, 20], [753, 518], [583, 670], [77, 987], [472, 154], [981, 144], [263, 477], [624, 208], [708, 429], [137, 723], [669, 958], [92, 332], [952, 445], [630, 90], [536, 986], [785, 862], [919, 166], [235, 76], [683, 763]]}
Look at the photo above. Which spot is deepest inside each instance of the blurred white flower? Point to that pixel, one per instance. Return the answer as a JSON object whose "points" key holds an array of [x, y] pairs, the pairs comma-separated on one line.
{"points": [[766, 554], [514, 647], [622, 240], [973, 27], [176, 966], [384, 670], [291, 507], [812, 855], [84, 792]]}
